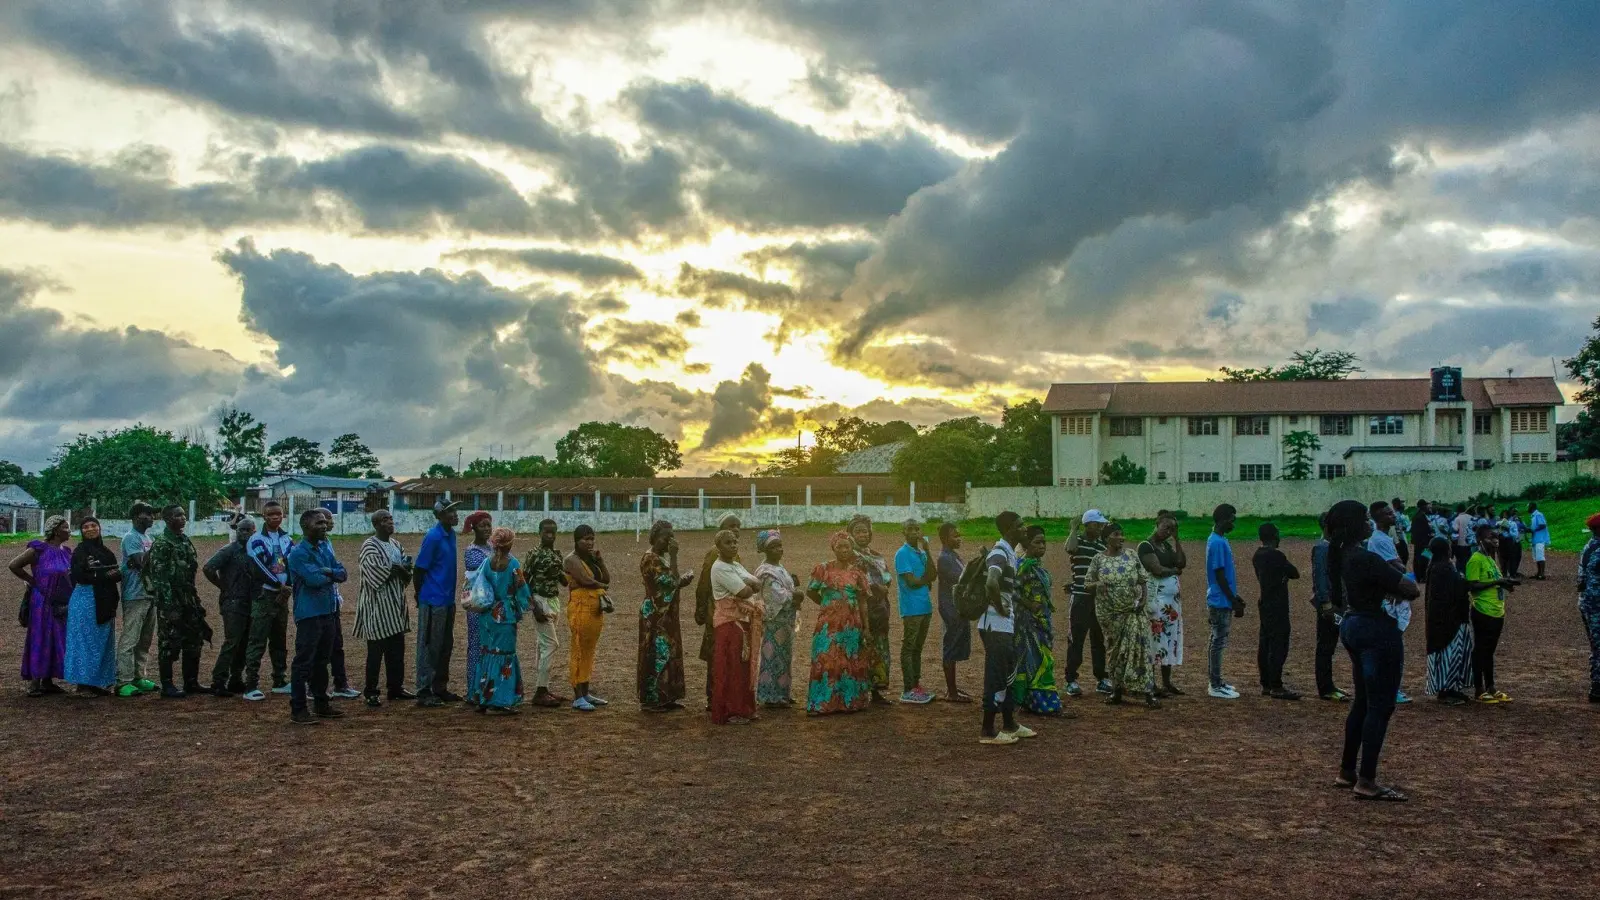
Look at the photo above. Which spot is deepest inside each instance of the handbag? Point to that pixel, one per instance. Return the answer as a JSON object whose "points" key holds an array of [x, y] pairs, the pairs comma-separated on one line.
{"points": [[22, 611]]}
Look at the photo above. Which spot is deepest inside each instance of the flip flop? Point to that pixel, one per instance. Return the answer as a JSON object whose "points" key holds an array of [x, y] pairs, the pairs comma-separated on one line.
{"points": [[1387, 795]]}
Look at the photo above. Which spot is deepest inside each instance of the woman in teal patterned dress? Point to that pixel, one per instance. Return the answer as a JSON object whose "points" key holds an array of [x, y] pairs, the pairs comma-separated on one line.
{"points": [[499, 600], [1034, 687], [660, 678], [839, 679]]}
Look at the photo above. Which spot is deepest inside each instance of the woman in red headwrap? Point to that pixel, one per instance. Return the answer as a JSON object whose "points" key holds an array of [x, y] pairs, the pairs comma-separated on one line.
{"points": [[839, 678], [480, 525]]}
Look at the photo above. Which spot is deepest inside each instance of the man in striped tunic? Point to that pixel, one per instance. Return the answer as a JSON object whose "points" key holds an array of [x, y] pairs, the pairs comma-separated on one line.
{"points": [[381, 618]]}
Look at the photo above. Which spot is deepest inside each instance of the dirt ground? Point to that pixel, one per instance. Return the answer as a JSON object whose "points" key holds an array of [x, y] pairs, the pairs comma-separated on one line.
{"points": [[1203, 798]]}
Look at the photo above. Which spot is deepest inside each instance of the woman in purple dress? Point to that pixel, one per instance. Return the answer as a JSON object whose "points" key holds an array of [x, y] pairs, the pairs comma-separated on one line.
{"points": [[46, 567]]}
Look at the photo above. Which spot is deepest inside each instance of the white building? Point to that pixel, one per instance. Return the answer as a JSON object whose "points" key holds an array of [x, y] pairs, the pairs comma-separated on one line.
{"points": [[336, 494], [1226, 431]]}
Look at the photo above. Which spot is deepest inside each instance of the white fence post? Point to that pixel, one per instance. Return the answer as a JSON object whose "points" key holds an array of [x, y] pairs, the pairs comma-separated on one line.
{"points": [[500, 501], [597, 509], [913, 499], [391, 500], [547, 503], [858, 496], [94, 508], [191, 512], [650, 503], [289, 520]]}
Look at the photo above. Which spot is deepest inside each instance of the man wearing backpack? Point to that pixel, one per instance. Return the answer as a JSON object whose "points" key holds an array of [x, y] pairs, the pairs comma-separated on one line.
{"points": [[996, 627], [957, 646]]}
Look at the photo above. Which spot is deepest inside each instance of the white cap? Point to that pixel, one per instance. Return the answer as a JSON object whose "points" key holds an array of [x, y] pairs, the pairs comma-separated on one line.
{"points": [[1095, 515]]}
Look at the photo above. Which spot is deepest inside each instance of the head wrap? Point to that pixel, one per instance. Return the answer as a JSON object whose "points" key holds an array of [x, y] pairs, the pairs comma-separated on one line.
{"points": [[658, 528], [764, 538], [1592, 522], [501, 538], [95, 565], [730, 522], [52, 523], [855, 520], [841, 539], [473, 519]]}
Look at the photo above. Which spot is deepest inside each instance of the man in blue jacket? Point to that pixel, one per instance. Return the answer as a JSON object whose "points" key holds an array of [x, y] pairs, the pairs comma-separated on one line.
{"points": [[313, 571]]}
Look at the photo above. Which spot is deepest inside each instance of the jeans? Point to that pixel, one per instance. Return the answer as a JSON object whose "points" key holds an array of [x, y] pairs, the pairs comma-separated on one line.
{"points": [[1327, 642], [436, 633], [389, 653], [1085, 623], [1377, 652], [229, 670], [1221, 619], [133, 645], [313, 648], [341, 678], [999, 669], [1272, 648], [912, 640], [1485, 640]]}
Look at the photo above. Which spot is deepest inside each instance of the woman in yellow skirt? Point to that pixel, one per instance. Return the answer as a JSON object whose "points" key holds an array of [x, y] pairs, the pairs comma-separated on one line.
{"points": [[587, 579]]}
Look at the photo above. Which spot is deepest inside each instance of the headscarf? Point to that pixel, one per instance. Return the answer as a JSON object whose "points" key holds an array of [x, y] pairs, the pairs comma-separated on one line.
{"points": [[501, 538], [91, 559], [764, 538], [473, 519], [52, 523], [855, 520], [841, 539], [578, 534], [1448, 605], [1592, 522]]}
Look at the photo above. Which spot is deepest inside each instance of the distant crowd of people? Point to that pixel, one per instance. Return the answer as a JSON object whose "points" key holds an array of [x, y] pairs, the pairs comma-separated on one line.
{"points": [[1123, 605]]}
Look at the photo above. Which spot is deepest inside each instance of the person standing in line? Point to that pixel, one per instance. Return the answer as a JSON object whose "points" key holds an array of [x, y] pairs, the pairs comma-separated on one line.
{"points": [[1223, 603], [660, 654], [91, 655], [1273, 574], [1539, 530], [314, 571], [434, 574], [381, 618], [995, 629], [705, 604], [1422, 536], [138, 612], [237, 578], [1121, 586], [1034, 689], [46, 568], [1448, 629], [738, 625], [1164, 561], [1383, 545], [182, 627], [1082, 546], [1400, 531], [1589, 601], [1488, 588], [780, 600], [546, 577], [269, 612], [877, 571], [1464, 540], [480, 525], [1512, 532], [588, 580], [838, 680], [1329, 609], [956, 645], [498, 594], [1373, 640], [914, 569]]}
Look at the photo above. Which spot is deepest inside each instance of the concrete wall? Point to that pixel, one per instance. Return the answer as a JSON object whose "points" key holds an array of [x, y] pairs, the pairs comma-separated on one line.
{"points": [[1266, 497]]}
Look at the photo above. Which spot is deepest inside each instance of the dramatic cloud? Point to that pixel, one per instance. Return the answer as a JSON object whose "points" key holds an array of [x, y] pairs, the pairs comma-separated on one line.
{"points": [[743, 408], [641, 343], [589, 268]]}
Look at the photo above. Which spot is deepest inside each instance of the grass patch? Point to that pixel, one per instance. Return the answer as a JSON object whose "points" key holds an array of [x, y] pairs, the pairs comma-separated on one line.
{"points": [[1566, 519], [1190, 529]]}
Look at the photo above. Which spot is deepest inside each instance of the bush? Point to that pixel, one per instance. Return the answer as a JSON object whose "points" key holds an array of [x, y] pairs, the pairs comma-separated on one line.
{"points": [[1579, 487], [1540, 490]]}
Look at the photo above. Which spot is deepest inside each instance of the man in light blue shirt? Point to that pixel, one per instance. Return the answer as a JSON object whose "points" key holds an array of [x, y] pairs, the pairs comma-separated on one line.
{"points": [[435, 578], [1539, 531], [1223, 603], [314, 573], [138, 610], [914, 573]]}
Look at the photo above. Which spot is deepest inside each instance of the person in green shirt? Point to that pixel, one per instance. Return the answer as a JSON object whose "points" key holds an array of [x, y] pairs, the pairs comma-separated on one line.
{"points": [[1487, 588]]}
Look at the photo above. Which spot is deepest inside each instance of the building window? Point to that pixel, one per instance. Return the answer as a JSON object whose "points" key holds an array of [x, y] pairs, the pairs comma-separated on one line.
{"points": [[1530, 457], [1161, 420], [1077, 424], [1482, 423], [1161, 476], [1461, 465], [1204, 477], [1127, 426], [1077, 482], [1530, 421], [1252, 425], [1386, 425], [1294, 420], [1326, 471], [1202, 425], [1333, 426], [1479, 465], [1255, 472]]}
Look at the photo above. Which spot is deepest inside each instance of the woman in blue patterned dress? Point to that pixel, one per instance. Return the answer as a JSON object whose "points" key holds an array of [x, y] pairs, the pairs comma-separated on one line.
{"points": [[781, 600], [497, 600], [1034, 687], [91, 661], [660, 665], [839, 678], [480, 525]]}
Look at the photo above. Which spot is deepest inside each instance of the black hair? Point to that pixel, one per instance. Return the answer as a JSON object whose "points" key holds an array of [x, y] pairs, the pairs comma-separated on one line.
{"points": [[271, 504], [1375, 506], [1439, 550], [306, 514], [141, 508], [1110, 529], [581, 532], [1347, 524], [1483, 529], [948, 528], [544, 522], [1223, 511], [1397, 503], [1268, 533], [1033, 532], [1005, 522], [168, 510]]}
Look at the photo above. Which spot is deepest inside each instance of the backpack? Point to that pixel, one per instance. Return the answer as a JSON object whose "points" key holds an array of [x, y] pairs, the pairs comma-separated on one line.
{"points": [[972, 591]]}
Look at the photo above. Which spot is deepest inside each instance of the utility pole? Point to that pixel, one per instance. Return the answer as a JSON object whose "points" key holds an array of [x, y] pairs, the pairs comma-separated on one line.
{"points": [[458, 460]]}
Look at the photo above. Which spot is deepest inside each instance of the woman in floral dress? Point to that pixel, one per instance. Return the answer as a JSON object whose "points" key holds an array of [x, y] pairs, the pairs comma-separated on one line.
{"points": [[498, 602], [660, 678], [781, 601], [1118, 582], [1034, 687], [480, 525], [839, 678], [875, 570], [1164, 560]]}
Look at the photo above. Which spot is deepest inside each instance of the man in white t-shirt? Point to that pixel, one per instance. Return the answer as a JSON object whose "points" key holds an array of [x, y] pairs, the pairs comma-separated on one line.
{"points": [[995, 628]]}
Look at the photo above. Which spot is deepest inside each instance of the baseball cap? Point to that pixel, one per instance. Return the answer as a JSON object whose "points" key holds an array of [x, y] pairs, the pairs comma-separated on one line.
{"points": [[442, 506], [1095, 515]]}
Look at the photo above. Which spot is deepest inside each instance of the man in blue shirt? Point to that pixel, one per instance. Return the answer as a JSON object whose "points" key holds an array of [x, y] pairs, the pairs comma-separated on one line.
{"points": [[957, 645], [1223, 602], [914, 572], [435, 579], [314, 572], [1539, 530]]}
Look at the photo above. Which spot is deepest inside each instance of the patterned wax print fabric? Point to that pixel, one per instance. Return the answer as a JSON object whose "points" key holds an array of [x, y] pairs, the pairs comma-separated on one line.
{"points": [[660, 678], [499, 671], [1034, 687], [471, 560], [839, 677], [1123, 617], [781, 600], [875, 571]]}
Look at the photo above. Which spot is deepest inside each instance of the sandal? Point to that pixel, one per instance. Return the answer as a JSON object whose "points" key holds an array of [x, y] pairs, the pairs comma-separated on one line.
{"points": [[36, 692], [1387, 795], [1346, 782]]}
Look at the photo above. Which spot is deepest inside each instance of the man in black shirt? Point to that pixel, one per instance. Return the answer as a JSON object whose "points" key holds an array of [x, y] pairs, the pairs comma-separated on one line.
{"points": [[233, 571], [1273, 572], [1082, 547]]}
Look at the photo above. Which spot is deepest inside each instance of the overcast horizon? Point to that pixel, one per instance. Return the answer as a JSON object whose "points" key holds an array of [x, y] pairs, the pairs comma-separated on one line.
{"points": [[466, 224]]}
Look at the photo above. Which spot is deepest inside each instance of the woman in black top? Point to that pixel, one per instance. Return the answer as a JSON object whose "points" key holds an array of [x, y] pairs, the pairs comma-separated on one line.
{"points": [[1372, 637]]}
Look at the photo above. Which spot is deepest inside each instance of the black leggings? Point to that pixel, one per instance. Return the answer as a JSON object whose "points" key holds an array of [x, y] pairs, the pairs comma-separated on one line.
{"points": [[1485, 639], [391, 653]]}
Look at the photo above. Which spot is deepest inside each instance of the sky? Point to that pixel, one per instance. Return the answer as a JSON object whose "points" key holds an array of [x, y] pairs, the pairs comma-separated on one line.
{"points": [[469, 225]]}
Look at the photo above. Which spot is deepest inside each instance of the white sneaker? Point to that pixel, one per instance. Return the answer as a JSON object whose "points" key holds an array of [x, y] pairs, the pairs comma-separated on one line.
{"points": [[1001, 739], [253, 695], [346, 694], [1023, 731], [1223, 693], [283, 689]]}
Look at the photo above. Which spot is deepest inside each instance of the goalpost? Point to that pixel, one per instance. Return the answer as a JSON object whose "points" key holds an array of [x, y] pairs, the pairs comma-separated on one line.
{"points": [[758, 509]]}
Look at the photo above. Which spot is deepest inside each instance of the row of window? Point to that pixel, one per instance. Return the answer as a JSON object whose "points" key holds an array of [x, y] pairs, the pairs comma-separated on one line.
{"points": [[1523, 421], [1325, 471]]}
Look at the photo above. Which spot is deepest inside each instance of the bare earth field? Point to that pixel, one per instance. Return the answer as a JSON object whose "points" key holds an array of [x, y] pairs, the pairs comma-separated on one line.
{"points": [[1204, 798]]}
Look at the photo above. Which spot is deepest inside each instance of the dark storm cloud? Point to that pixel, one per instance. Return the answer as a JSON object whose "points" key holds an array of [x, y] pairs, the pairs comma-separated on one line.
{"points": [[740, 409], [589, 268], [1343, 316], [394, 189], [1528, 335], [766, 171], [1541, 274], [933, 364], [641, 343], [717, 286]]}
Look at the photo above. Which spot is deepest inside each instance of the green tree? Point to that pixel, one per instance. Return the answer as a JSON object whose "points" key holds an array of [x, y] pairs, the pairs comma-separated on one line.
{"points": [[348, 457], [296, 454], [853, 433], [1022, 449], [1581, 437], [11, 473], [726, 473], [614, 450], [941, 458], [118, 467], [1122, 470], [807, 462], [239, 453], [441, 470], [1297, 449], [1315, 364]]}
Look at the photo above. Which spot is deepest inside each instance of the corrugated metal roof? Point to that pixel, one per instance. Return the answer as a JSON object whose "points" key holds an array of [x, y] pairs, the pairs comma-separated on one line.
{"points": [[1355, 395], [14, 495], [328, 482], [664, 485], [871, 461]]}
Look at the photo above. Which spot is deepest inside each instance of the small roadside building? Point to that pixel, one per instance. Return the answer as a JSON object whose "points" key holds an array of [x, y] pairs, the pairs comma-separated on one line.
{"points": [[339, 495]]}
